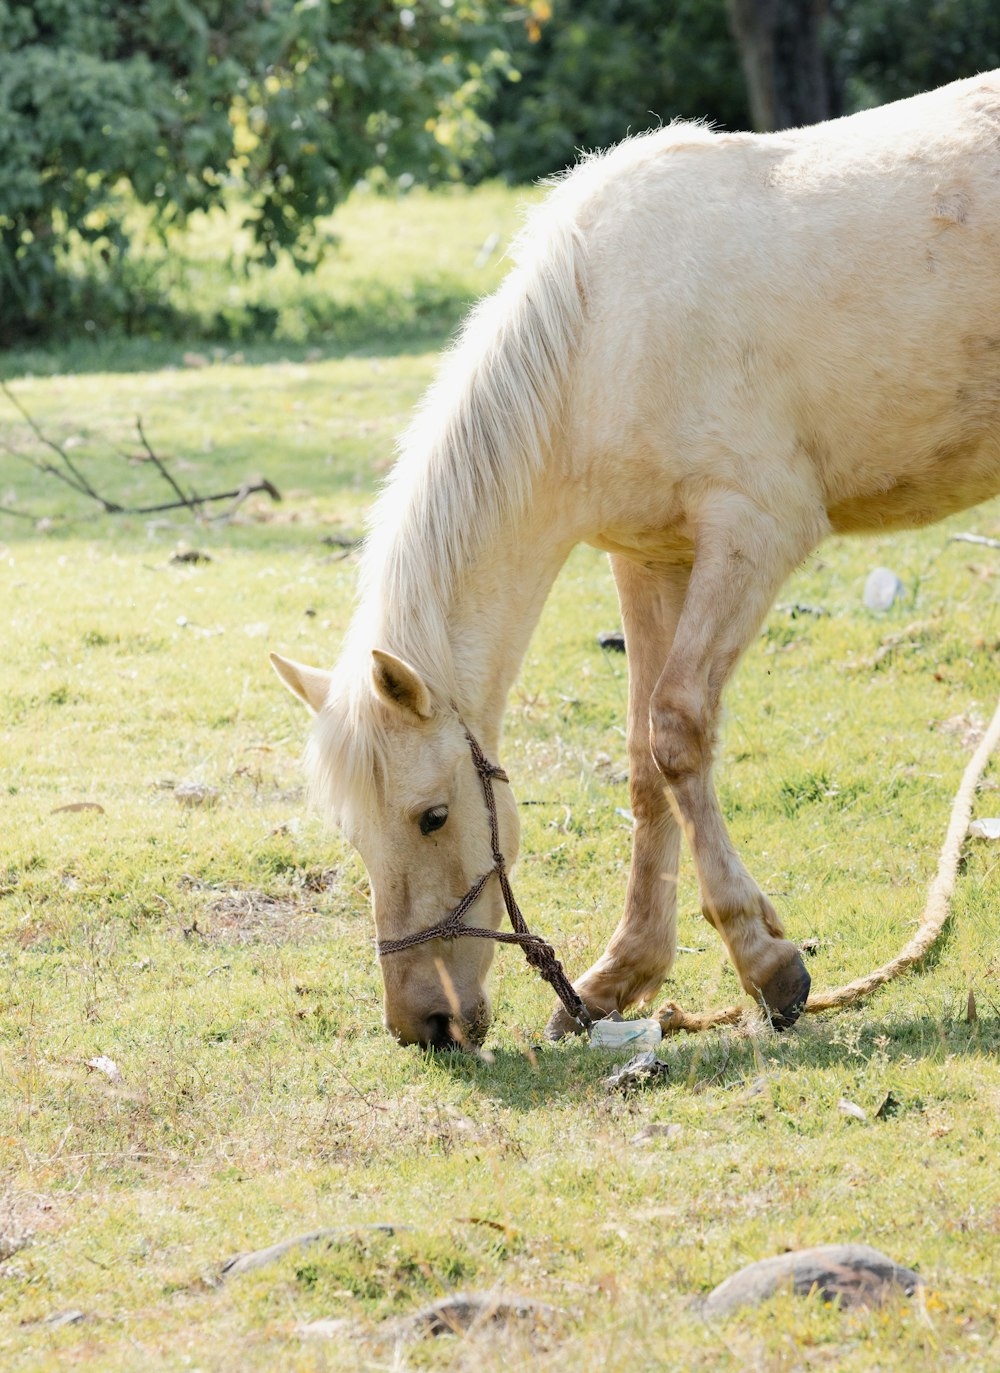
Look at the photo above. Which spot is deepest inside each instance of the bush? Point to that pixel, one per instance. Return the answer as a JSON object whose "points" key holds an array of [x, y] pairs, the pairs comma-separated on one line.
{"points": [[181, 101]]}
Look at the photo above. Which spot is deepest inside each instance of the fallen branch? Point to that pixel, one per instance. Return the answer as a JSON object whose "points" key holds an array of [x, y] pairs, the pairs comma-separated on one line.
{"points": [[975, 538], [72, 475]]}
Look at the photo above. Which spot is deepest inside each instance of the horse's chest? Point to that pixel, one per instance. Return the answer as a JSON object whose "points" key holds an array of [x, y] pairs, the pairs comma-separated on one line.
{"points": [[652, 548]]}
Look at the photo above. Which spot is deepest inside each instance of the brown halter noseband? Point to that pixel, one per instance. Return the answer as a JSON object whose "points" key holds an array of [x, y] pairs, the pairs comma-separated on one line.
{"points": [[537, 951]]}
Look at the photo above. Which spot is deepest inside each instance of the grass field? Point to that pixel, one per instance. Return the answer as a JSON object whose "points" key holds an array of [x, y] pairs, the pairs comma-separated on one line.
{"points": [[221, 955]]}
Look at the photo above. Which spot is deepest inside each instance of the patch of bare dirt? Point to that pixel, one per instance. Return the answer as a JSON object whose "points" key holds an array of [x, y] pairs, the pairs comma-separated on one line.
{"points": [[967, 728], [22, 1216], [249, 916]]}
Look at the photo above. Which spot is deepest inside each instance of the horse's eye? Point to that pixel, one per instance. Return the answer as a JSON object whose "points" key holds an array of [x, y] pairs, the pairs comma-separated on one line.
{"points": [[433, 819]]}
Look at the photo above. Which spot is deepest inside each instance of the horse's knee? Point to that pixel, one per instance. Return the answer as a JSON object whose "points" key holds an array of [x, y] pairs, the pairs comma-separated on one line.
{"points": [[681, 743]]}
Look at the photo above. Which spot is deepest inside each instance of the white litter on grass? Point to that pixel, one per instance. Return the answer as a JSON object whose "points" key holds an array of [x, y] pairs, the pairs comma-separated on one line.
{"points": [[625, 1034], [986, 828], [105, 1065]]}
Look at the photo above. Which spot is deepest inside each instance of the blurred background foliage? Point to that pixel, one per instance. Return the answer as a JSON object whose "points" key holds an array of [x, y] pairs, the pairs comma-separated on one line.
{"points": [[118, 122]]}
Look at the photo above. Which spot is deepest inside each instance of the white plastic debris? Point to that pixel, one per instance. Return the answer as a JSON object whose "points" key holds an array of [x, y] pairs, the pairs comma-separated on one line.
{"points": [[986, 828], [626, 1034], [105, 1065]]}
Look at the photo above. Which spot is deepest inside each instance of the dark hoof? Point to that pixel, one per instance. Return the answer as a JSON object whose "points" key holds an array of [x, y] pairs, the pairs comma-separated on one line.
{"points": [[561, 1024], [786, 993]]}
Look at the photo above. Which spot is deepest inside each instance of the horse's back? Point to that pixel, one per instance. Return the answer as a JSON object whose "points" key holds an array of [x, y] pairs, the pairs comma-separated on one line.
{"points": [[827, 298]]}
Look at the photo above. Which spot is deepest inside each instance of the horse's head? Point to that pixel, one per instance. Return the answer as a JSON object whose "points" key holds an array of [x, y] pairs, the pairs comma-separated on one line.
{"points": [[396, 770]]}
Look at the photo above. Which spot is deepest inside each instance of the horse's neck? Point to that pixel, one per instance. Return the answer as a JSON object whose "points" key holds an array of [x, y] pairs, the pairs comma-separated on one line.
{"points": [[495, 609], [469, 635]]}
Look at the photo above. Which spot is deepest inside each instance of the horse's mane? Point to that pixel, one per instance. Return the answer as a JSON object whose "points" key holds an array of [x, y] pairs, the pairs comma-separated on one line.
{"points": [[465, 467]]}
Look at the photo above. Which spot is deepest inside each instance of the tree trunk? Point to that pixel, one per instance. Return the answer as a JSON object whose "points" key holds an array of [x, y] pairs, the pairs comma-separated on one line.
{"points": [[786, 76]]}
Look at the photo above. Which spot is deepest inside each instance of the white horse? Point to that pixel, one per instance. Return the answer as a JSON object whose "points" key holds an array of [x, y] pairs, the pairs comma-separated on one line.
{"points": [[714, 350]]}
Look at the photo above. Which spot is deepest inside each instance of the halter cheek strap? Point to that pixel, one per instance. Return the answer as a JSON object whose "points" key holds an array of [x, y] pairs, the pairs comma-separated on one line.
{"points": [[539, 953]]}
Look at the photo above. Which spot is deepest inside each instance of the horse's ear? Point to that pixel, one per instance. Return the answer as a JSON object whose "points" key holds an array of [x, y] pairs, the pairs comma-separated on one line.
{"points": [[400, 685], [309, 684]]}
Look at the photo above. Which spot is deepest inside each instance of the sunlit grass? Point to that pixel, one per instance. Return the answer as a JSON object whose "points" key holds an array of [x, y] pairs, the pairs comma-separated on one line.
{"points": [[222, 956]]}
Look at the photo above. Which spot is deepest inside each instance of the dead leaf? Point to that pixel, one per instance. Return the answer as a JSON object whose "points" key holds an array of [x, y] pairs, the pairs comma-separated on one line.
{"points": [[78, 806]]}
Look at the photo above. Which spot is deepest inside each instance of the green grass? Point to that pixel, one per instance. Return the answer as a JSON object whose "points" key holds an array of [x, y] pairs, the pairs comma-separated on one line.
{"points": [[391, 279], [222, 957]]}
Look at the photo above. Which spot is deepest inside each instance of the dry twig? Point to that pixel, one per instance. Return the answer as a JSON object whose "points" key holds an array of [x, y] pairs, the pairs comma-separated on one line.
{"points": [[72, 475]]}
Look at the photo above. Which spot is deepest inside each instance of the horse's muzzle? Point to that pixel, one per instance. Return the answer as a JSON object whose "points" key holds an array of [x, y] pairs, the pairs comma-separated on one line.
{"points": [[444, 1030]]}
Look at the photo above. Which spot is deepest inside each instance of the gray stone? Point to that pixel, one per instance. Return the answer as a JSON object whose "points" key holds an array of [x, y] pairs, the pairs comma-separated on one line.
{"points": [[883, 589], [462, 1311], [853, 1274], [259, 1258], [60, 1318]]}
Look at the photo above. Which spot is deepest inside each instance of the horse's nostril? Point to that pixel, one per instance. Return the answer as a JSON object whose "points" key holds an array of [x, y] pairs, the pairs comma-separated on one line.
{"points": [[440, 1032]]}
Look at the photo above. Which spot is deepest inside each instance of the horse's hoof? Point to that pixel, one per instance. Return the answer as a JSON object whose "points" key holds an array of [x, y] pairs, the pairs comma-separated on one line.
{"points": [[786, 992], [561, 1024]]}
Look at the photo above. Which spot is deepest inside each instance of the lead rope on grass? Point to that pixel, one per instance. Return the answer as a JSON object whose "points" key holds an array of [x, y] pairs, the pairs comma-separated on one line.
{"points": [[673, 1018]]}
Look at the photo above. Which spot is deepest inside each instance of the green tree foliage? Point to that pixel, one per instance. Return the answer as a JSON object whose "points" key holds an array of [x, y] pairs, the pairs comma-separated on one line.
{"points": [[597, 70], [292, 101], [884, 50]]}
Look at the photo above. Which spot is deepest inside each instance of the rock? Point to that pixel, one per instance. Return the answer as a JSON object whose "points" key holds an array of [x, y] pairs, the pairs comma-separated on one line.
{"points": [[191, 555], [462, 1311], [194, 794], [657, 1131], [855, 1275], [852, 1109], [883, 589], [614, 641], [986, 828], [60, 1318], [259, 1258], [326, 1328]]}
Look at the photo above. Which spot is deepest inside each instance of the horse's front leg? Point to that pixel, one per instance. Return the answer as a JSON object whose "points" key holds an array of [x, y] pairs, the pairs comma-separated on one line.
{"points": [[641, 950], [742, 556]]}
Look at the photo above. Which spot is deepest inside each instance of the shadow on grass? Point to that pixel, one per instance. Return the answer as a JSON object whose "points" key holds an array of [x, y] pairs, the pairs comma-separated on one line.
{"points": [[419, 319], [118, 353], [545, 1074]]}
